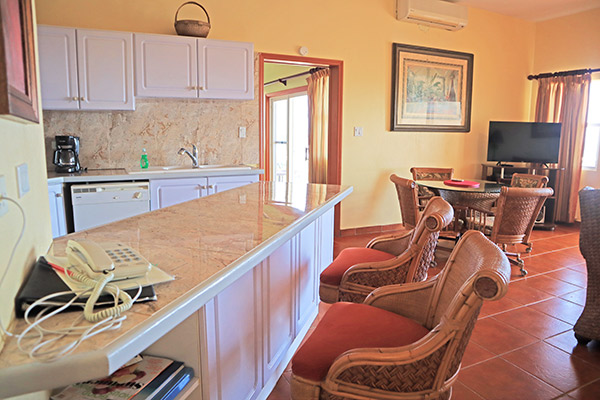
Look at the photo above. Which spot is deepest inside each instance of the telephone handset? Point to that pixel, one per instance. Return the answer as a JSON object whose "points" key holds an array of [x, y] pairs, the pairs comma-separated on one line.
{"points": [[97, 259]]}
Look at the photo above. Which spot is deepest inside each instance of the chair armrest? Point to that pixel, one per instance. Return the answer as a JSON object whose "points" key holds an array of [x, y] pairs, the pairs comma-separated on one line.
{"points": [[411, 300], [394, 243], [355, 368]]}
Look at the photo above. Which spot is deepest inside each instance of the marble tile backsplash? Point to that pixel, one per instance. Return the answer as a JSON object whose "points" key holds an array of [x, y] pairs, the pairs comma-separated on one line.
{"points": [[115, 139]]}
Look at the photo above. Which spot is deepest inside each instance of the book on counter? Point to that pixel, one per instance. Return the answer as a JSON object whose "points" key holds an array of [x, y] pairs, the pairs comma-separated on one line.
{"points": [[144, 378], [43, 281]]}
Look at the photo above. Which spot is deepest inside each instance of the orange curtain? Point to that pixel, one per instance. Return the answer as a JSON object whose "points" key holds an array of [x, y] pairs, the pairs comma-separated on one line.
{"points": [[565, 99], [318, 110]]}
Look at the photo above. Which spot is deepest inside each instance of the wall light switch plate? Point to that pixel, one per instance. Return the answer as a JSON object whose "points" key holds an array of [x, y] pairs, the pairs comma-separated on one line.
{"points": [[3, 192], [358, 131], [242, 131], [23, 179]]}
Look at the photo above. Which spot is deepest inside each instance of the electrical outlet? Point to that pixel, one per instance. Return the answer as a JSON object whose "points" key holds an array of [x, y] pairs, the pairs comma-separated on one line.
{"points": [[242, 131], [3, 192], [358, 131], [23, 179]]}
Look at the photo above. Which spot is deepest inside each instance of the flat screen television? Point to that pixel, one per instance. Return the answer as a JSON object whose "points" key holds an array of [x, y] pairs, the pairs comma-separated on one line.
{"points": [[534, 142]]}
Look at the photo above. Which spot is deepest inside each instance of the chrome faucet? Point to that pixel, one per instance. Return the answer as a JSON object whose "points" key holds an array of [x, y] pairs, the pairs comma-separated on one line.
{"points": [[193, 155]]}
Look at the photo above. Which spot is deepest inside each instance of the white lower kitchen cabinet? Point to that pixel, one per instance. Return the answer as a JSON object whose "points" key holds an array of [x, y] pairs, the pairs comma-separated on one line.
{"points": [[168, 192], [57, 210]]}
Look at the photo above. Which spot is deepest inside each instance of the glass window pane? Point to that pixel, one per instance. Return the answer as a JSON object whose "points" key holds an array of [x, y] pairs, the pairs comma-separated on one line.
{"points": [[594, 105], [299, 138], [279, 119], [590, 149]]}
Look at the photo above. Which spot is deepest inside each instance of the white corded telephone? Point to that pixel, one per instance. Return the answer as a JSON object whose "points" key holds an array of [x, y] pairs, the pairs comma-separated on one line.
{"points": [[95, 265], [96, 260]]}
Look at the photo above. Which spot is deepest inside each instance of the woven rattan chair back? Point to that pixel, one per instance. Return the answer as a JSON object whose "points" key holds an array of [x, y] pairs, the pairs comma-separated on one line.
{"points": [[528, 181], [431, 174], [469, 257], [517, 209], [448, 304], [588, 325], [407, 191], [437, 215]]}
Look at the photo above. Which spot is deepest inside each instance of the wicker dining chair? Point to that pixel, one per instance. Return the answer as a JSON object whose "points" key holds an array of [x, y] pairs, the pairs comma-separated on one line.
{"points": [[429, 174], [405, 341], [587, 327], [387, 260], [528, 181], [408, 194], [513, 221]]}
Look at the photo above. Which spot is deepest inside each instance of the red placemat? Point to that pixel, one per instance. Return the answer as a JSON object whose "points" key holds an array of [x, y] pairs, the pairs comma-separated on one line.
{"points": [[469, 184]]}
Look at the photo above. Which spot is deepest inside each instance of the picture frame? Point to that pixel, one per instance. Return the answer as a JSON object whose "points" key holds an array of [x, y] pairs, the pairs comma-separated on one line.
{"points": [[431, 89], [18, 76]]}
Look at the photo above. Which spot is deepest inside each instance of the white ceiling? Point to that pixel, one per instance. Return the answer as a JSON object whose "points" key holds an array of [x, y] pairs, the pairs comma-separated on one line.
{"points": [[532, 10]]}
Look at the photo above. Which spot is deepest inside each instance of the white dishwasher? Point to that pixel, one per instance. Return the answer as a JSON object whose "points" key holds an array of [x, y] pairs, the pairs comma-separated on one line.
{"points": [[101, 203]]}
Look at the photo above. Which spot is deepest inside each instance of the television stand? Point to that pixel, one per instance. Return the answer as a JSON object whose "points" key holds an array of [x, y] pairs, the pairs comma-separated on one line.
{"points": [[502, 173], [499, 164]]}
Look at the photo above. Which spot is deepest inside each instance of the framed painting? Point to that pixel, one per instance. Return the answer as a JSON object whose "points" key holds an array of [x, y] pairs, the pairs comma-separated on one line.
{"points": [[18, 85], [431, 89]]}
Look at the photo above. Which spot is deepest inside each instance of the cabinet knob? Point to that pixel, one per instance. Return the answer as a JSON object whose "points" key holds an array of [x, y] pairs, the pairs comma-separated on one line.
{"points": [[202, 187], [58, 194], [200, 87], [75, 98], [82, 98], [211, 186]]}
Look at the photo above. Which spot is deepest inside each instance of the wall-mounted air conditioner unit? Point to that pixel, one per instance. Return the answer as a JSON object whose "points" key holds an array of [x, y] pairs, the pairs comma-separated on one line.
{"points": [[436, 13]]}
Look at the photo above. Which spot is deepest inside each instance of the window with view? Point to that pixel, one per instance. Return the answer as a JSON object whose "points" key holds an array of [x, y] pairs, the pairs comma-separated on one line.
{"points": [[591, 146]]}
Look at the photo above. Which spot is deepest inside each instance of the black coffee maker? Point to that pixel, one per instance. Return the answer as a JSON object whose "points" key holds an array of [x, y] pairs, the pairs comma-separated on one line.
{"points": [[66, 155]]}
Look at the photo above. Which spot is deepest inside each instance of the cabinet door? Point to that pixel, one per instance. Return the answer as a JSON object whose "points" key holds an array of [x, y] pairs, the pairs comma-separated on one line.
{"points": [[221, 183], [57, 210], [166, 66], [167, 192], [105, 66], [225, 69], [58, 68], [307, 276]]}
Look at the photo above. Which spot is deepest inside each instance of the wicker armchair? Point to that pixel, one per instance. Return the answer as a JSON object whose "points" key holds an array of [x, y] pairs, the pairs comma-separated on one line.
{"points": [[588, 325], [528, 181], [514, 218], [408, 194], [387, 260], [405, 341], [429, 174]]}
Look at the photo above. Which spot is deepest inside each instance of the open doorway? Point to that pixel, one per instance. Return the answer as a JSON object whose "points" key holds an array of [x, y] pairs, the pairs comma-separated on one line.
{"points": [[284, 144]]}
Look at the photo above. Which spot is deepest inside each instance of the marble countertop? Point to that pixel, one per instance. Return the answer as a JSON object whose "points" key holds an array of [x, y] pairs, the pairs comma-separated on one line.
{"points": [[206, 243], [121, 174]]}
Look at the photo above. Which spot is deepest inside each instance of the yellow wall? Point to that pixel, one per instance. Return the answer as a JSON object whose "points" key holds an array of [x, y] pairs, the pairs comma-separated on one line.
{"points": [[567, 43], [22, 143], [361, 34], [276, 71]]}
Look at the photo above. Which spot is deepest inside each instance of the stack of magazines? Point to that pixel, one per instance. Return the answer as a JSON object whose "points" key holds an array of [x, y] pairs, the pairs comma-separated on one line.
{"points": [[144, 377]]}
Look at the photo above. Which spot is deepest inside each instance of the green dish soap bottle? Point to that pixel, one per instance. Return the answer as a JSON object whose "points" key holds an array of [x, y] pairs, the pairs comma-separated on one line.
{"points": [[144, 160]]}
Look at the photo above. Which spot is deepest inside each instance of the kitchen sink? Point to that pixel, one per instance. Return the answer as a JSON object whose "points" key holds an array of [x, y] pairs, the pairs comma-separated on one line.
{"points": [[182, 168]]}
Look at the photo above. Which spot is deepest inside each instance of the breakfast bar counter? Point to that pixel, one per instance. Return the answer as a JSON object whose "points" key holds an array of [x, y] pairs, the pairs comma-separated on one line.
{"points": [[247, 264]]}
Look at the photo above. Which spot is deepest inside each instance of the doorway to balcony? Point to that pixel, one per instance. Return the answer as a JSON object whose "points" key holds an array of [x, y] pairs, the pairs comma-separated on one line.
{"points": [[285, 144]]}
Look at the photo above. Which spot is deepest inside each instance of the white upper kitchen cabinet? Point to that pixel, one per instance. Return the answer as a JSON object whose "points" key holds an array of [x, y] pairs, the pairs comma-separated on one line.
{"points": [[176, 66], [165, 66], [225, 69], [58, 68], [86, 69]]}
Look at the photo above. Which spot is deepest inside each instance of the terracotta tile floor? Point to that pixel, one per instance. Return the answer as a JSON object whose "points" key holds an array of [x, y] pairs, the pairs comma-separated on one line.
{"points": [[523, 347]]}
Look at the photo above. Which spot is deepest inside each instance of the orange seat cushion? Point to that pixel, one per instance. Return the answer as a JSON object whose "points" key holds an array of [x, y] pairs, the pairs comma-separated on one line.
{"points": [[332, 275], [347, 326]]}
